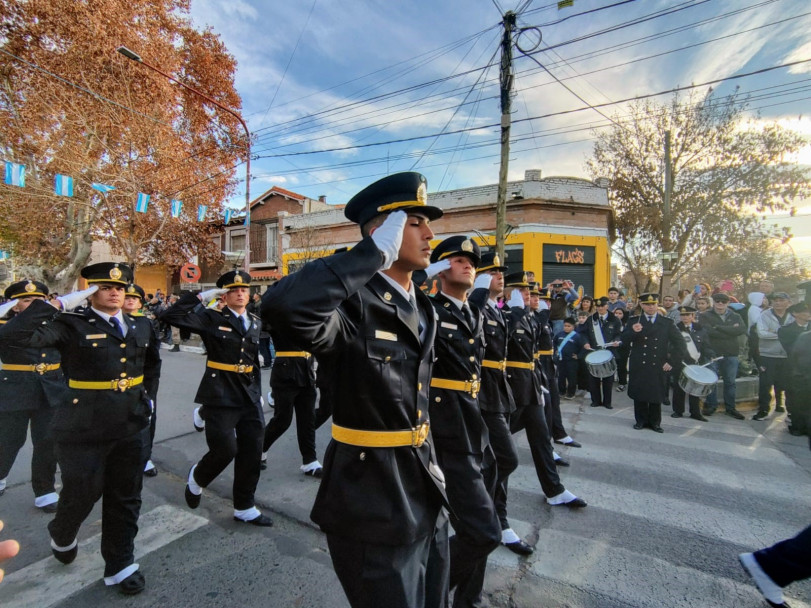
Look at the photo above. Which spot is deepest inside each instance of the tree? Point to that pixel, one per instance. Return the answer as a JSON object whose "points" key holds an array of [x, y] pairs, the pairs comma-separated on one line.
{"points": [[120, 125], [725, 171]]}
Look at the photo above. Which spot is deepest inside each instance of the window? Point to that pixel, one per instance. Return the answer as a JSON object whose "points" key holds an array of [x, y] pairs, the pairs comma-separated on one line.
{"points": [[236, 240], [272, 243]]}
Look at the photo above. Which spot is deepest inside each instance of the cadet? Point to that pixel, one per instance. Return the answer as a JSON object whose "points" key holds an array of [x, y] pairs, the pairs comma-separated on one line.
{"points": [[603, 331], [112, 364], [460, 436], [31, 386], [697, 350], [229, 393], [381, 496]]}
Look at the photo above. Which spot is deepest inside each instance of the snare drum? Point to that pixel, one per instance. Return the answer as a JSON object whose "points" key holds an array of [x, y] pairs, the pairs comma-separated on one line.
{"points": [[697, 381], [601, 363]]}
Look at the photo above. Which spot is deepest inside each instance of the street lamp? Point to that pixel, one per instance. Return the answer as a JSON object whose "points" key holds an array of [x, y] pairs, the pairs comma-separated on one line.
{"points": [[129, 54]]}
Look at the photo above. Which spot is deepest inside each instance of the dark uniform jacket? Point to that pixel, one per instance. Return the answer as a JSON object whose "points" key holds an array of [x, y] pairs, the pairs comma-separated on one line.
{"points": [[495, 394], [456, 421], [787, 335], [227, 342], [701, 339], [658, 343], [364, 331], [91, 350], [723, 331], [525, 384], [290, 371], [29, 390], [611, 329]]}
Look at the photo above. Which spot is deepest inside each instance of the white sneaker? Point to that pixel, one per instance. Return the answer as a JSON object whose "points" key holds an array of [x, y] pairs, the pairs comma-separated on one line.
{"points": [[197, 421], [314, 469], [271, 403], [770, 590]]}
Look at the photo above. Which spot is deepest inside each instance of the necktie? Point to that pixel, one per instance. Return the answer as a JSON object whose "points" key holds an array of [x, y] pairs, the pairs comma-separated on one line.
{"points": [[468, 315], [416, 310], [246, 324], [650, 319], [117, 326]]}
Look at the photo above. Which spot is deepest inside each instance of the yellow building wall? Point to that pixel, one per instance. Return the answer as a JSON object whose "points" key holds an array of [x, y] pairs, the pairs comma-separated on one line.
{"points": [[152, 278]]}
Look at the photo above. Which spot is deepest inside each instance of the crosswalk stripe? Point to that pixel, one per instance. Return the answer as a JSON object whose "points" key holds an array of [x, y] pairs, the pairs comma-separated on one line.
{"points": [[47, 582]]}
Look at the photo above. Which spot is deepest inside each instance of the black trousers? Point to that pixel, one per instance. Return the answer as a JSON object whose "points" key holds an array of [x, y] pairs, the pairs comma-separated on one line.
{"points": [[114, 472], [150, 435], [622, 365], [601, 390], [233, 433], [473, 517], [789, 560], [798, 403], [503, 445], [648, 414], [13, 432], [567, 376], [678, 402], [289, 399], [394, 576], [774, 374], [554, 419], [532, 419]]}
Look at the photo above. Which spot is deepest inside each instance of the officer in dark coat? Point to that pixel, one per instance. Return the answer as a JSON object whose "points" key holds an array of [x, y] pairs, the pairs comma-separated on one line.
{"points": [[112, 365], [381, 496], [603, 331], [797, 402], [31, 386], [460, 435], [229, 393], [655, 347], [697, 350]]}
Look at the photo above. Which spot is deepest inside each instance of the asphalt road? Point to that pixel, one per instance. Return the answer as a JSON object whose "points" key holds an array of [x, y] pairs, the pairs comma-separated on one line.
{"points": [[667, 516]]}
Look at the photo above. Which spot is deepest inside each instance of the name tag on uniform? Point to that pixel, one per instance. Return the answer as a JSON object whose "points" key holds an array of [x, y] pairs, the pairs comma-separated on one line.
{"points": [[519, 331], [95, 336], [491, 322], [449, 325], [385, 335], [224, 328]]}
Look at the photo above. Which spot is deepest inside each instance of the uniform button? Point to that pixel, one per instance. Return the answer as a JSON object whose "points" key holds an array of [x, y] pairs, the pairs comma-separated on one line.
{"points": [[474, 376], [123, 374], [213, 375], [75, 401], [471, 341], [419, 386], [242, 350], [450, 335], [123, 359], [94, 344], [437, 399], [123, 345], [387, 359], [472, 358], [43, 354], [362, 456], [419, 414]]}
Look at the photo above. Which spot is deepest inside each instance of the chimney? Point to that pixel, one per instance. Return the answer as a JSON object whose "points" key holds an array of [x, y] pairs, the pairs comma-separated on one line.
{"points": [[322, 198], [532, 175]]}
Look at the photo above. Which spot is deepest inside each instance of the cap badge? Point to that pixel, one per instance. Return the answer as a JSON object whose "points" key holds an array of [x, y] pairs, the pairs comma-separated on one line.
{"points": [[131, 289], [29, 287], [115, 273], [524, 278], [238, 278], [422, 194], [467, 246], [496, 260]]}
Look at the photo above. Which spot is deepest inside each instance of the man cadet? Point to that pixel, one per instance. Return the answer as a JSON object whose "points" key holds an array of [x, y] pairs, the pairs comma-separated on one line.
{"points": [[655, 347], [603, 331], [229, 392], [495, 397], [134, 298], [529, 399], [112, 365], [31, 386], [697, 350], [382, 492], [460, 436]]}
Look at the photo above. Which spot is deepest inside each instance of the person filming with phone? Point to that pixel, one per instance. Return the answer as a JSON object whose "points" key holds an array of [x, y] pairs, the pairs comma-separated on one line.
{"points": [[562, 294]]}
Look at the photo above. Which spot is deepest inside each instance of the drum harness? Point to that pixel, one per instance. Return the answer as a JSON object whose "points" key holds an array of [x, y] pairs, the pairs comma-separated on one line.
{"points": [[691, 346]]}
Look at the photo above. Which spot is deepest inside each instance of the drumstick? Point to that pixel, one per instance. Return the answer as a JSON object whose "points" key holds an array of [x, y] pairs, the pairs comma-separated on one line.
{"points": [[711, 361]]}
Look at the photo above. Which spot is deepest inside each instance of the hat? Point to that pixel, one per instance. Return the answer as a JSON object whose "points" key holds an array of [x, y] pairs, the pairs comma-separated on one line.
{"points": [[398, 192], [543, 293], [516, 279], [799, 307], [687, 310], [604, 301], [490, 261], [135, 291], [25, 289], [457, 245], [233, 279], [649, 298], [720, 297], [535, 289], [780, 295], [108, 272]]}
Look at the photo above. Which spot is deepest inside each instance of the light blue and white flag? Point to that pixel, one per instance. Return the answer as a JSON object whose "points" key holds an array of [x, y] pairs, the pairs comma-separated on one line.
{"points": [[15, 174], [228, 213], [63, 185], [142, 203], [247, 221], [103, 188], [176, 207], [201, 212]]}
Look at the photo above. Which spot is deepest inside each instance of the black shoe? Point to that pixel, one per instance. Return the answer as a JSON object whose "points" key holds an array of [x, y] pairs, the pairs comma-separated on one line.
{"points": [[592, 404], [571, 444], [620, 388], [760, 416], [263, 465], [261, 520], [561, 462], [192, 499], [780, 409], [639, 427], [699, 418], [657, 429], [735, 414], [3, 491], [51, 508], [519, 547], [608, 406], [133, 584], [153, 472], [66, 557], [707, 412], [676, 415], [577, 503], [174, 349], [795, 432]]}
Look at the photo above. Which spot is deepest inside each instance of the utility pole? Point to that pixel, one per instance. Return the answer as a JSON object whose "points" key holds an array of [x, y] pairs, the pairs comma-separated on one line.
{"points": [[506, 81]]}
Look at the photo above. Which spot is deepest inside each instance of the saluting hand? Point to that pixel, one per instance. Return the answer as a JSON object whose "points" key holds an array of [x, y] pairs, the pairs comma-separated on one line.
{"points": [[482, 281], [437, 267], [4, 308], [516, 299], [210, 294], [72, 300], [389, 236]]}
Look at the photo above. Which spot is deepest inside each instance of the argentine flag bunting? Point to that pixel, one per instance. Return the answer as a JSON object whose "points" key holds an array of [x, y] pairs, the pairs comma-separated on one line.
{"points": [[103, 188], [63, 185], [247, 221], [142, 203], [201, 212], [227, 216], [15, 174], [176, 207]]}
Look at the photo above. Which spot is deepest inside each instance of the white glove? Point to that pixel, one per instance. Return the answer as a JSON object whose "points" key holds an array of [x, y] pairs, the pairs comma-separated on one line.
{"points": [[437, 267], [516, 299], [210, 294], [389, 236], [72, 300], [483, 281], [4, 308], [542, 305]]}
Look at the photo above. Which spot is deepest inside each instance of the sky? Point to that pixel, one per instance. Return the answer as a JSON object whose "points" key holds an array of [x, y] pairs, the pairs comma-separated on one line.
{"points": [[328, 86]]}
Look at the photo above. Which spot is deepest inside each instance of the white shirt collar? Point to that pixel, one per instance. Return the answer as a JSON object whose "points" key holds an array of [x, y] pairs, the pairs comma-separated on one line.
{"points": [[459, 303], [395, 285], [119, 316]]}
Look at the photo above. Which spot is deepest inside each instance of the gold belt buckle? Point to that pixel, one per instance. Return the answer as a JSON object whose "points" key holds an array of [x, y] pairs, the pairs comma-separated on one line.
{"points": [[419, 435], [41, 368], [241, 368], [122, 384], [503, 365], [475, 386]]}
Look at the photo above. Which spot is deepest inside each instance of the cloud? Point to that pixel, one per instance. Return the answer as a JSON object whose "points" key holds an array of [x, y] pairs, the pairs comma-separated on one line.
{"points": [[798, 54]]}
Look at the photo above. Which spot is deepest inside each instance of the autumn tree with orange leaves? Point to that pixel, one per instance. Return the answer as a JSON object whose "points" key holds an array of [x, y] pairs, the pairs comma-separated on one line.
{"points": [[71, 105]]}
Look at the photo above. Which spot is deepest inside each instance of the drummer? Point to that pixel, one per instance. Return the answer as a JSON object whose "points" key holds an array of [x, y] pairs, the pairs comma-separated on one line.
{"points": [[602, 331], [698, 351]]}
